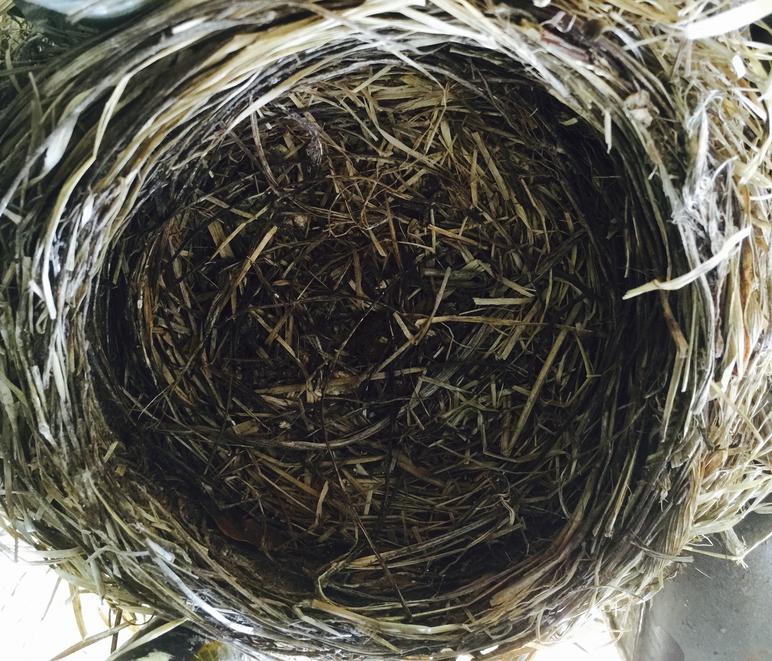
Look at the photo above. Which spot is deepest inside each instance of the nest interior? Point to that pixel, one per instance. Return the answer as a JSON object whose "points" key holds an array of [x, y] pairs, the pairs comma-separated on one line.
{"points": [[316, 318], [378, 327]]}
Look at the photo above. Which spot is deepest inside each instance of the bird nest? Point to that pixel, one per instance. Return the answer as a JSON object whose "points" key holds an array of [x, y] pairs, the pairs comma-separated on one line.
{"points": [[387, 329]]}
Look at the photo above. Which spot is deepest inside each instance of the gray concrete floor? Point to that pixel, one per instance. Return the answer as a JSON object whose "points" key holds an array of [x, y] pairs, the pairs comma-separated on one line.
{"points": [[714, 610]]}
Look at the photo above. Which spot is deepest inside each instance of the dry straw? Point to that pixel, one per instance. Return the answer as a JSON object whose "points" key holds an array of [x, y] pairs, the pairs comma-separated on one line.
{"points": [[392, 328]]}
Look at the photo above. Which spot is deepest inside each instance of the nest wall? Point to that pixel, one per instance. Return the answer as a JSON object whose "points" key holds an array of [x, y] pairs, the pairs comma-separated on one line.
{"points": [[387, 329]]}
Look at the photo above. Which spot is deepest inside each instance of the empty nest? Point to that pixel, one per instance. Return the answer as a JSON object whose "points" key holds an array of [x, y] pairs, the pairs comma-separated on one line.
{"points": [[385, 329]]}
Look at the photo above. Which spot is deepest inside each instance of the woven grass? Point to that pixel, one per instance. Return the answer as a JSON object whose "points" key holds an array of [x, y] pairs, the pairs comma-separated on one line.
{"points": [[386, 330]]}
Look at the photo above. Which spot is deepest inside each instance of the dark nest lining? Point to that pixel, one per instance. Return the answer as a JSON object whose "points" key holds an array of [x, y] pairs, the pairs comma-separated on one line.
{"points": [[386, 355], [324, 344]]}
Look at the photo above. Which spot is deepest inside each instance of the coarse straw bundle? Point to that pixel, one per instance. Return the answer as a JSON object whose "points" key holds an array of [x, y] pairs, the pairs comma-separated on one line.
{"points": [[392, 328]]}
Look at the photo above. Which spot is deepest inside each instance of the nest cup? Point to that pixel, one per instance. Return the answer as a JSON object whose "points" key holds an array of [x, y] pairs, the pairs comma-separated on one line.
{"points": [[386, 329]]}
